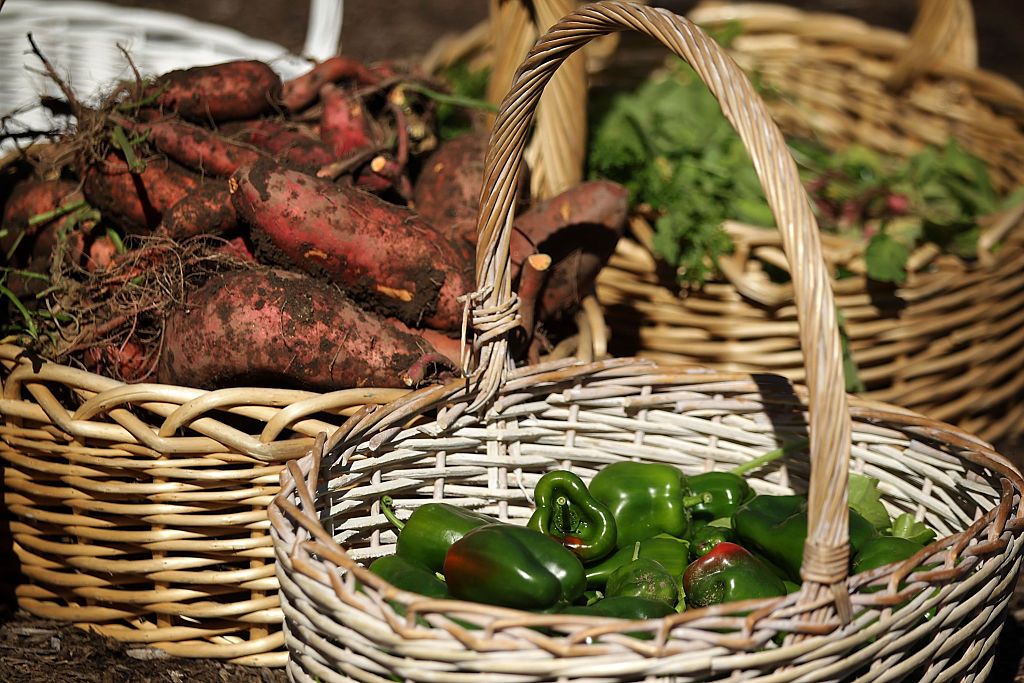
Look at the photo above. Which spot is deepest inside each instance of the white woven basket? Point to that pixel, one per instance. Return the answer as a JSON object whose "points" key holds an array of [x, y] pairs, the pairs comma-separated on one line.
{"points": [[81, 39]]}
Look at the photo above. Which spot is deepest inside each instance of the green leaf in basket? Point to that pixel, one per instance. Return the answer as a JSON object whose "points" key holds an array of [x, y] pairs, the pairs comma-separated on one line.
{"points": [[905, 526], [886, 259], [865, 498], [851, 373]]}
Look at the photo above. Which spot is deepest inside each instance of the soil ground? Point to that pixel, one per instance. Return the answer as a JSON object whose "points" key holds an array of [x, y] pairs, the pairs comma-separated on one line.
{"points": [[34, 649]]}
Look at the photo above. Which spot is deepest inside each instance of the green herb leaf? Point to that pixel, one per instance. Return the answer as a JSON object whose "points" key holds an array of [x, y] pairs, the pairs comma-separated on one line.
{"points": [[886, 259], [865, 498], [905, 526]]}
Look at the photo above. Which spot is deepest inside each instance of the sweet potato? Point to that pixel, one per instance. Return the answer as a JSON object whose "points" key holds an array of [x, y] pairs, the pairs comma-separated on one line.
{"points": [[241, 89], [206, 211], [239, 248], [279, 328], [447, 190], [579, 230], [28, 199], [384, 255], [300, 92], [136, 202], [344, 124], [102, 252], [196, 147], [129, 361], [285, 142]]}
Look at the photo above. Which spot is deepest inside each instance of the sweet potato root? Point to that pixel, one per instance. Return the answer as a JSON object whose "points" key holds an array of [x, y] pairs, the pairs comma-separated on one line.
{"points": [[242, 89], [196, 147], [278, 328], [382, 254], [285, 142], [136, 202], [206, 211], [300, 92], [344, 124]]}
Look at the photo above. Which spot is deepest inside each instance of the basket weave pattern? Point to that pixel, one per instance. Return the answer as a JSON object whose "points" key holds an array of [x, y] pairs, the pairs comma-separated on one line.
{"points": [[483, 443], [946, 343], [140, 510], [584, 417]]}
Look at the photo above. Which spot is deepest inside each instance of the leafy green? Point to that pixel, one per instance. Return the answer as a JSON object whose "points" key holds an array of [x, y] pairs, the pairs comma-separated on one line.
{"points": [[670, 145], [851, 373], [905, 526], [886, 259], [865, 498], [467, 89]]}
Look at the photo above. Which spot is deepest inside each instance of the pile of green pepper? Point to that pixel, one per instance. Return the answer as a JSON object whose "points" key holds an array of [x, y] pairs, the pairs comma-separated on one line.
{"points": [[641, 541]]}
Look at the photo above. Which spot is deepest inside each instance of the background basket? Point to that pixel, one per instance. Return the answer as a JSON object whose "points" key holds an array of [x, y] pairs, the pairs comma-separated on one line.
{"points": [[483, 444], [948, 342], [139, 511]]}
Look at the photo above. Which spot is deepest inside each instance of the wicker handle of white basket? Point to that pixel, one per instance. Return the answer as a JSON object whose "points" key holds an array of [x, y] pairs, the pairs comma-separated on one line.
{"points": [[943, 32], [495, 305]]}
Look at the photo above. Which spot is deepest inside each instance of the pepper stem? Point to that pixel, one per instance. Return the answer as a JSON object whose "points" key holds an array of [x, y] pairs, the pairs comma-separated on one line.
{"points": [[697, 499], [768, 457], [386, 507], [564, 515], [636, 550]]}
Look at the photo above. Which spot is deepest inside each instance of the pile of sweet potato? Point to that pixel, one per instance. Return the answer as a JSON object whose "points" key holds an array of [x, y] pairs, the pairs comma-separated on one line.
{"points": [[342, 229]]}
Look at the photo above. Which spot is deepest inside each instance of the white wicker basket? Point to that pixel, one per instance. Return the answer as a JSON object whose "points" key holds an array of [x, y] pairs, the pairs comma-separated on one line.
{"points": [[81, 39]]}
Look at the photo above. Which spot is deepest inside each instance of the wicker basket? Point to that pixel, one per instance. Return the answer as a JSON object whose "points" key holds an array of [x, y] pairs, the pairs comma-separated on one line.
{"points": [[946, 343], [82, 39], [484, 443], [139, 511]]}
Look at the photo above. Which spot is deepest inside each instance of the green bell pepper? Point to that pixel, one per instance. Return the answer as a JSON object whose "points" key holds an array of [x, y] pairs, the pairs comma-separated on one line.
{"points": [[670, 551], [644, 578], [883, 550], [513, 566], [403, 573], [624, 607], [729, 572], [727, 492], [776, 527], [706, 538], [646, 499], [568, 512], [431, 529]]}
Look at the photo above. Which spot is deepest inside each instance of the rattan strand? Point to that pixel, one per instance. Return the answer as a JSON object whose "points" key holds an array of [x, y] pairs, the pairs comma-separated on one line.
{"points": [[343, 623], [946, 343]]}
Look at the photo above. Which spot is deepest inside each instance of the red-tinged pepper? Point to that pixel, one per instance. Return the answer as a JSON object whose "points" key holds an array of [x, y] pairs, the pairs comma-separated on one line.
{"points": [[425, 537], [567, 512], [513, 566], [729, 573]]}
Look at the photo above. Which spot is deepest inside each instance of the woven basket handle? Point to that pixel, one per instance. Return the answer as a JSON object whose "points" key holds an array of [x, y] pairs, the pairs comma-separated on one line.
{"points": [[943, 32], [494, 305]]}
